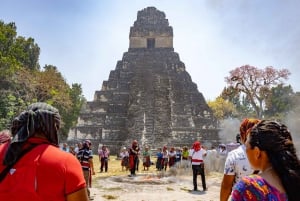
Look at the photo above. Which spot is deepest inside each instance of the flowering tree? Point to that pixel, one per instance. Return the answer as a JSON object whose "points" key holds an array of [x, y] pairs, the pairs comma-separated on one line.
{"points": [[255, 84]]}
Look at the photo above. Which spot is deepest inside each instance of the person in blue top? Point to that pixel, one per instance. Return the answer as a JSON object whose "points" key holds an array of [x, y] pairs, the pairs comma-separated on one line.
{"points": [[159, 156], [178, 155]]}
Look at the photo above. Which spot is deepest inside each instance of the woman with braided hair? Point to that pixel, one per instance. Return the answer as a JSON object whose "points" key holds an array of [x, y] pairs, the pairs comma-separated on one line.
{"points": [[32, 167], [270, 149]]}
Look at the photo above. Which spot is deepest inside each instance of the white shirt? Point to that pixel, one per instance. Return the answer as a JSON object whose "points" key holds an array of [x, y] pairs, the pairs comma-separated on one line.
{"points": [[237, 163], [165, 154], [191, 151], [124, 154], [222, 152], [172, 154], [197, 157]]}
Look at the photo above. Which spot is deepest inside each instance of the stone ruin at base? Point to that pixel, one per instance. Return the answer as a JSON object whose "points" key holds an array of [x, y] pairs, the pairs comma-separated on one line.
{"points": [[149, 96]]}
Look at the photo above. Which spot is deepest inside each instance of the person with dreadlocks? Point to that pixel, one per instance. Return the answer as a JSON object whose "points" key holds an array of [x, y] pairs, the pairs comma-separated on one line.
{"points": [[85, 158], [32, 165], [236, 164], [270, 149]]}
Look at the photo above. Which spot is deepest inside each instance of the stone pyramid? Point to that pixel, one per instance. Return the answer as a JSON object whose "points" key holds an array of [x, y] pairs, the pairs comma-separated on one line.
{"points": [[149, 96]]}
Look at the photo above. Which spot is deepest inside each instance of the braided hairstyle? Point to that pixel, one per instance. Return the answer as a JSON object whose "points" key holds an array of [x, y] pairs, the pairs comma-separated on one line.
{"points": [[275, 139]]}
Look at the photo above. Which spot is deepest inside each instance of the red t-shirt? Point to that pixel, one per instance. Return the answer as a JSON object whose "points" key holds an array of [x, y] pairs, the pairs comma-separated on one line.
{"points": [[44, 173]]}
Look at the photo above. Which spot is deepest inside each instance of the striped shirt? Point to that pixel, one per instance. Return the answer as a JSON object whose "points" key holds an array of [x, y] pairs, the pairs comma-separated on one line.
{"points": [[84, 155]]}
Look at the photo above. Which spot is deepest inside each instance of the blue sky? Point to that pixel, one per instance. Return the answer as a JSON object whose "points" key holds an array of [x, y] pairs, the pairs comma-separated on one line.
{"points": [[85, 39]]}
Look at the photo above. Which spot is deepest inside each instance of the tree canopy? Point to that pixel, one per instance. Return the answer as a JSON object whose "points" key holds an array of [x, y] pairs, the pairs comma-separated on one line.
{"points": [[22, 82], [222, 108], [254, 85]]}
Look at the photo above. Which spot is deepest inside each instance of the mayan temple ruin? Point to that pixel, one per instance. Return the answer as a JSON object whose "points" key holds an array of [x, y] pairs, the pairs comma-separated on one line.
{"points": [[149, 96]]}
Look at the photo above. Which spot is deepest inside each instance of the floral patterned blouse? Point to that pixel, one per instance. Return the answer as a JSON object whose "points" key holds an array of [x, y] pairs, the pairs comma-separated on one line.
{"points": [[255, 188]]}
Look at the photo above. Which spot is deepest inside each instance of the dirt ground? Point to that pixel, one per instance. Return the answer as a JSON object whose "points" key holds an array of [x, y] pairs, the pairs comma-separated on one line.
{"points": [[155, 186]]}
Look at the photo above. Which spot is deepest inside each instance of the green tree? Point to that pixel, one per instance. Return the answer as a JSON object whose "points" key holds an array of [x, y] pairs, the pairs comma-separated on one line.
{"points": [[256, 84], [22, 82], [279, 102], [26, 52], [9, 106], [17, 49], [18, 63], [70, 116], [8, 64], [242, 106], [8, 33], [222, 109], [52, 88]]}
